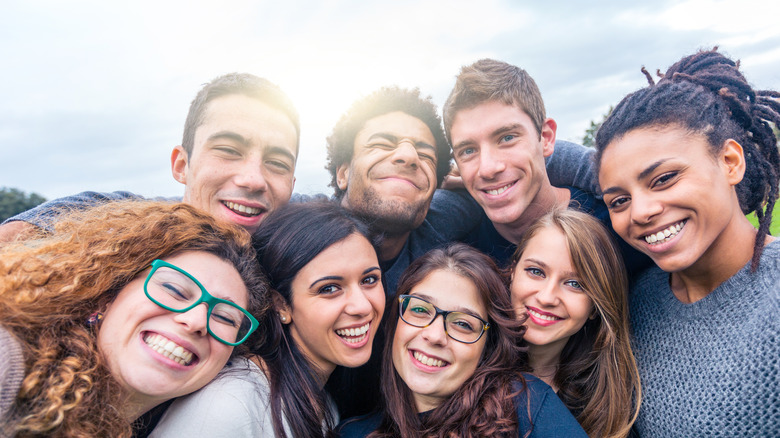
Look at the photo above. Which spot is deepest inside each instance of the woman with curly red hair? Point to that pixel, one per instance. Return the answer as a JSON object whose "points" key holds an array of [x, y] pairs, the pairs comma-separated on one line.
{"points": [[122, 308]]}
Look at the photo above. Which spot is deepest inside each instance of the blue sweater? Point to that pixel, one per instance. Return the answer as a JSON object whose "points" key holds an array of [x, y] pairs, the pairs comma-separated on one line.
{"points": [[548, 416], [710, 368]]}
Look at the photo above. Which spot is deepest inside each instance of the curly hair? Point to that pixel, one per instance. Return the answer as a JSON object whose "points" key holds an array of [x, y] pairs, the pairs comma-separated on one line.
{"points": [[341, 142], [484, 405], [597, 376], [237, 83], [50, 284], [705, 94]]}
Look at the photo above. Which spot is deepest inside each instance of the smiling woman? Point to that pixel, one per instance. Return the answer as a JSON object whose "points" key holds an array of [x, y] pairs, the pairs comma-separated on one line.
{"points": [[123, 307]]}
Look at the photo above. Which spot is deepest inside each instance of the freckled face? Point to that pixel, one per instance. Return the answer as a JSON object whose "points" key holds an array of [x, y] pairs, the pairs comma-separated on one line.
{"points": [[242, 162], [134, 328], [545, 286], [431, 363], [669, 197], [337, 304]]}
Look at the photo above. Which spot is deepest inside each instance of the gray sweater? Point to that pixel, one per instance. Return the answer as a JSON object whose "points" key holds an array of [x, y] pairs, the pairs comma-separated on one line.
{"points": [[11, 374], [710, 368]]}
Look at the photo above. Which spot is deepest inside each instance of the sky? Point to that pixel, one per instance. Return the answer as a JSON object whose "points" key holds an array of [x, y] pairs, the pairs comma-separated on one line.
{"points": [[94, 94]]}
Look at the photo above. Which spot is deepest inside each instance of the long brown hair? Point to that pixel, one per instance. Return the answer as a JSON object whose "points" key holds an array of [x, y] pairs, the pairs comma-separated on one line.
{"points": [[597, 377], [484, 404], [50, 284]]}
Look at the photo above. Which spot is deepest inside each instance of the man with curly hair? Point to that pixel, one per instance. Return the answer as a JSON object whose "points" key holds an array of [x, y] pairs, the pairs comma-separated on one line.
{"points": [[236, 159]]}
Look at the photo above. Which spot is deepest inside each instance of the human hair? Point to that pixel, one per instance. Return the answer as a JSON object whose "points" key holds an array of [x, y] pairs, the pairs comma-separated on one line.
{"points": [[341, 142], [706, 95], [489, 80], [484, 404], [51, 284], [288, 239], [244, 84], [597, 377]]}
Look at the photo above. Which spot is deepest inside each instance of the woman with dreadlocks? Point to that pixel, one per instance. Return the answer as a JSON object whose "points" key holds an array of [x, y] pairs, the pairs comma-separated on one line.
{"points": [[680, 164]]}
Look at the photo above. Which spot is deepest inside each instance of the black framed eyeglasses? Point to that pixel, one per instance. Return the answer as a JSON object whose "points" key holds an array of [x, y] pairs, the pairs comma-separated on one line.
{"points": [[174, 289], [460, 326]]}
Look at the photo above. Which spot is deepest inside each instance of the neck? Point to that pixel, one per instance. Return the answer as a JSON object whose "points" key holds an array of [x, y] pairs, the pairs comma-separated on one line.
{"points": [[135, 406], [732, 250], [545, 360], [546, 199]]}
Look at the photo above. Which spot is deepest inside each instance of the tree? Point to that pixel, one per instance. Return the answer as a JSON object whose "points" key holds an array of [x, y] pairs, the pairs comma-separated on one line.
{"points": [[589, 139], [14, 201]]}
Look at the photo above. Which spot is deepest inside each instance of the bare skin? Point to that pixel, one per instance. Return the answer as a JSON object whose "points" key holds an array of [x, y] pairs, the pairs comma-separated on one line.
{"points": [[16, 230]]}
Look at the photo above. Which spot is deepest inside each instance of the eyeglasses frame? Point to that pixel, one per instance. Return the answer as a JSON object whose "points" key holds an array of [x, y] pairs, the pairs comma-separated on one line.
{"points": [[443, 313]]}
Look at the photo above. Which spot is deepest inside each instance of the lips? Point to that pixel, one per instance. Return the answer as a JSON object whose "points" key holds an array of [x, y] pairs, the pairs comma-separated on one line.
{"points": [[427, 361], [169, 349], [499, 190], [666, 234], [542, 318], [354, 335], [242, 209]]}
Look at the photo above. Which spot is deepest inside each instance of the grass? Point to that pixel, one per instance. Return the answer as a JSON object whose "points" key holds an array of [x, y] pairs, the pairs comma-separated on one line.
{"points": [[774, 229]]}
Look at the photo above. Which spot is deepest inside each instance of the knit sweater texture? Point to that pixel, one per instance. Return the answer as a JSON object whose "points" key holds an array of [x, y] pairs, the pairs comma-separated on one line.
{"points": [[11, 375], [710, 368]]}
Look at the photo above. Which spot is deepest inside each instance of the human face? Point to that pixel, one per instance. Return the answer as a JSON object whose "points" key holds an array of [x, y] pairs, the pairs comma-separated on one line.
{"points": [[671, 198], [392, 175], [337, 304], [134, 327], [546, 286], [500, 155], [242, 161], [432, 364]]}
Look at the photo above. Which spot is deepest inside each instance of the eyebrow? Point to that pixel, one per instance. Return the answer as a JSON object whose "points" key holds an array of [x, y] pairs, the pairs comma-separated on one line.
{"points": [[280, 151], [418, 144], [460, 309], [230, 135], [340, 278], [546, 266], [642, 175], [496, 132]]}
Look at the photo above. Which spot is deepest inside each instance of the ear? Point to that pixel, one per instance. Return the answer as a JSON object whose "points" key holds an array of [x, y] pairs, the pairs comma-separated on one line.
{"points": [[547, 136], [732, 160], [342, 176], [281, 307], [179, 164]]}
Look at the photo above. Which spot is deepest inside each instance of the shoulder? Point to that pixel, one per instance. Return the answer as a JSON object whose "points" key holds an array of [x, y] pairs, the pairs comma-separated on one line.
{"points": [[236, 401], [541, 411], [358, 427]]}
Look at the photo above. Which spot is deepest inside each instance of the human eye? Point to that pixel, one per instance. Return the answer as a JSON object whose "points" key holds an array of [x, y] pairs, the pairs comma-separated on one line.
{"points": [[370, 280], [662, 180], [534, 272], [618, 202], [419, 309], [507, 138], [176, 291], [279, 166], [466, 152], [328, 289], [574, 284], [227, 151]]}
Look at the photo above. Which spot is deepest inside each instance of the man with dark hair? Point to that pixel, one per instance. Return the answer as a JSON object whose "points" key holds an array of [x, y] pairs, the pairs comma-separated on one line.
{"points": [[501, 136], [236, 160]]}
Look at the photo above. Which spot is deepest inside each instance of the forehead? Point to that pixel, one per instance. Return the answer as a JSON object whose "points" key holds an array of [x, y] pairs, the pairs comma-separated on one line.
{"points": [[487, 116], [250, 118], [548, 242], [450, 291], [219, 277], [398, 124]]}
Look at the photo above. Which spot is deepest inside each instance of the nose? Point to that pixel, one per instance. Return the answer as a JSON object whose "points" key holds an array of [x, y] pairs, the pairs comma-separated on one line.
{"points": [[644, 208], [435, 334], [250, 175], [194, 320], [547, 295], [358, 303], [490, 163], [405, 153]]}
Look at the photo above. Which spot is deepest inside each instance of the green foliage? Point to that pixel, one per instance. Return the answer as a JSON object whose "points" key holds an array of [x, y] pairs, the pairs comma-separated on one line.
{"points": [[15, 201], [774, 228], [589, 139]]}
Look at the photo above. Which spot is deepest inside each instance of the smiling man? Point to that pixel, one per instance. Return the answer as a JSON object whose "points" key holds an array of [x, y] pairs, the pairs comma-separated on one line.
{"points": [[501, 136], [236, 159]]}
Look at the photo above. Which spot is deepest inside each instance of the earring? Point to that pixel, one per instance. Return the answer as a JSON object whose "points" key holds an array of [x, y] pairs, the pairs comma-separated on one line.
{"points": [[284, 319], [94, 319]]}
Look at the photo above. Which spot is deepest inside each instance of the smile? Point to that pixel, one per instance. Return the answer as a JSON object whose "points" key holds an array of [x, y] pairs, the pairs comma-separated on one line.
{"points": [[168, 348], [354, 335], [241, 209], [429, 361], [544, 317], [665, 235], [499, 190]]}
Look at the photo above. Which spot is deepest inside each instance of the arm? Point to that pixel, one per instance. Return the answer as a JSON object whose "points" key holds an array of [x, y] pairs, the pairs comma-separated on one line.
{"points": [[573, 165]]}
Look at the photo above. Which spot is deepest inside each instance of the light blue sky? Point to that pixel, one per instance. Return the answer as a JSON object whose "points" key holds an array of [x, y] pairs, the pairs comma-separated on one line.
{"points": [[93, 95]]}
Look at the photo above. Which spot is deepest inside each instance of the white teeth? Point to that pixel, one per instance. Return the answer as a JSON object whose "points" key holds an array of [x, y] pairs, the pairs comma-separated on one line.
{"points": [[168, 348], [431, 362], [357, 333], [665, 235], [499, 190], [538, 315], [242, 208]]}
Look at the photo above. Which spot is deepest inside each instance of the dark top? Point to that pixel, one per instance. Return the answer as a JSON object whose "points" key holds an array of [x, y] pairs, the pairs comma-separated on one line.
{"points": [[546, 417]]}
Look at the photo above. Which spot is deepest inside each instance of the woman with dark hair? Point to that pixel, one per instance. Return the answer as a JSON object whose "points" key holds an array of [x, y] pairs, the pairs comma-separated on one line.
{"points": [[567, 276], [460, 376], [681, 163], [328, 301], [122, 308]]}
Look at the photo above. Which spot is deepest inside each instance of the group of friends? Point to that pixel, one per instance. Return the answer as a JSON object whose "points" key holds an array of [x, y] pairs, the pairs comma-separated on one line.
{"points": [[547, 290]]}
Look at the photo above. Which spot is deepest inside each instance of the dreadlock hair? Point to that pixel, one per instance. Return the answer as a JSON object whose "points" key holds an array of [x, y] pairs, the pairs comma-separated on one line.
{"points": [[705, 94]]}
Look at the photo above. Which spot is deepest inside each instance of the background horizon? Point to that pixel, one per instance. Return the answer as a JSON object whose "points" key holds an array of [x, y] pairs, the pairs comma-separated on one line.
{"points": [[95, 94]]}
